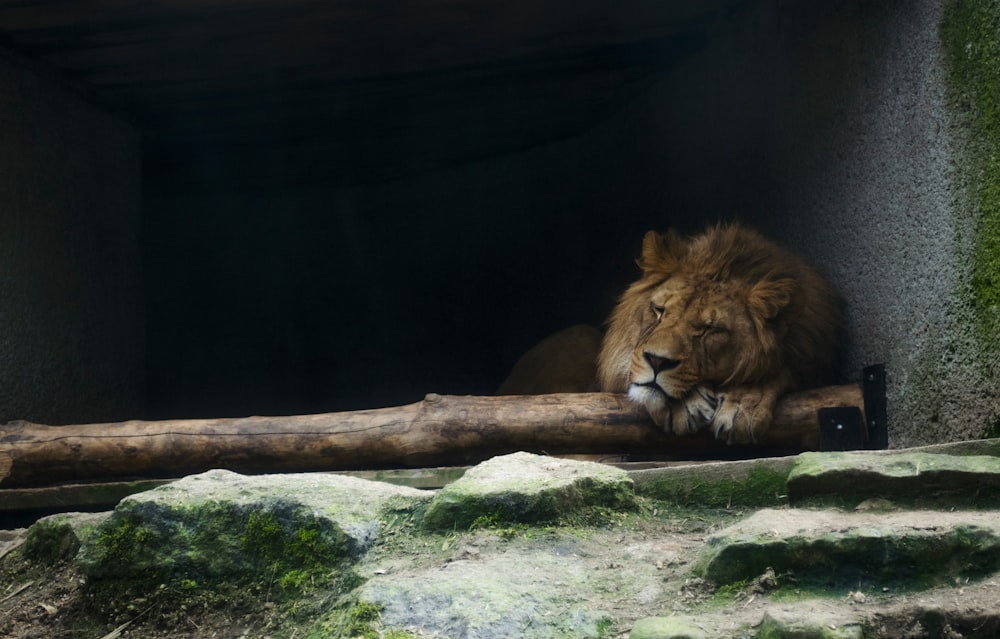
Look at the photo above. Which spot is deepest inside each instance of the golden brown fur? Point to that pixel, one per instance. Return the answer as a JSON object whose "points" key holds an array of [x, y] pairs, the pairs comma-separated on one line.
{"points": [[562, 363], [717, 328]]}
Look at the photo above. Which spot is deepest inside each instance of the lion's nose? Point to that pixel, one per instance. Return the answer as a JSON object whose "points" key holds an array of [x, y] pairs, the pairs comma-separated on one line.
{"points": [[660, 364]]}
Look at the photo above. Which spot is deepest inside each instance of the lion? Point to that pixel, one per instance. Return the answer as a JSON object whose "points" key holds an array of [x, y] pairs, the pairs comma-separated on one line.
{"points": [[717, 328]]}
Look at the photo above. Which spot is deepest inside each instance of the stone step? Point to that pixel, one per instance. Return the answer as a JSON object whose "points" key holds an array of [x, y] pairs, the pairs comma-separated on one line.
{"points": [[851, 549], [914, 478]]}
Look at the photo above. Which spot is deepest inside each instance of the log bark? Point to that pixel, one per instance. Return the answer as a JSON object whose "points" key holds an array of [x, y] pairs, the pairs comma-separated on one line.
{"points": [[440, 430]]}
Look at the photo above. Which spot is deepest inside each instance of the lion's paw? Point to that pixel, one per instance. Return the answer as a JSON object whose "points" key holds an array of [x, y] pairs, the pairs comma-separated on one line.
{"points": [[681, 422], [743, 415], [694, 412]]}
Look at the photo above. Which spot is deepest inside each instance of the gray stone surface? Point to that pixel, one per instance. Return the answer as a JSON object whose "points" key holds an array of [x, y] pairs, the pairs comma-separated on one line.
{"points": [[543, 596], [827, 548], [666, 628], [940, 481], [793, 624], [526, 488], [11, 539]]}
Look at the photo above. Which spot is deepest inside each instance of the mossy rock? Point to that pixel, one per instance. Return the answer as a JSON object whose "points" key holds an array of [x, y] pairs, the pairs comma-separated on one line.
{"points": [[224, 526], [751, 483], [778, 625], [914, 478], [58, 537], [826, 549], [526, 488]]}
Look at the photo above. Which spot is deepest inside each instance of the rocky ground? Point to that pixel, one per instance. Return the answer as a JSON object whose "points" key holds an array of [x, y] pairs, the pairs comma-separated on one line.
{"points": [[900, 544]]}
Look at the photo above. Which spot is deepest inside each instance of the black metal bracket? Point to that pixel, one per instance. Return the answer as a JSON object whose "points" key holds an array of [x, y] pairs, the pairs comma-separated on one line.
{"points": [[841, 428], [876, 411], [847, 428]]}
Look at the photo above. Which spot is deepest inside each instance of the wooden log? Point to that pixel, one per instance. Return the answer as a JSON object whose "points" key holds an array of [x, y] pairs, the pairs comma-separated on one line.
{"points": [[440, 430]]}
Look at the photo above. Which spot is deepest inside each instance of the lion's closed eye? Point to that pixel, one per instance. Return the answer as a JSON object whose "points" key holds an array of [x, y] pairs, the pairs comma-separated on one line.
{"points": [[712, 328]]}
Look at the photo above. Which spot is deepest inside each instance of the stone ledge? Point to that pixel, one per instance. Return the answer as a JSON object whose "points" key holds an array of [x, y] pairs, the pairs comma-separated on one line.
{"points": [[831, 549], [914, 478]]}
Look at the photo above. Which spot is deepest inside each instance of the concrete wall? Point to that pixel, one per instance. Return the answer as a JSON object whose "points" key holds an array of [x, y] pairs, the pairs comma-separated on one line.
{"points": [[71, 327], [889, 186], [828, 125]]}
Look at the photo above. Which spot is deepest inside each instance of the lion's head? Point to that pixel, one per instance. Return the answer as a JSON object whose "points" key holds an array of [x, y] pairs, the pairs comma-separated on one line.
{"points": [[725, 309]]}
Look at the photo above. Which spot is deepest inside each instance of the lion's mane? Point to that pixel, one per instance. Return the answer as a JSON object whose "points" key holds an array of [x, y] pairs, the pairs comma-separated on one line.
{"points": [[724, 315]]}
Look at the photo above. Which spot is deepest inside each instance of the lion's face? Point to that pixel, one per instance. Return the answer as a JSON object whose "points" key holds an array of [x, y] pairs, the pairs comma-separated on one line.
{"points": [[690, 333]]}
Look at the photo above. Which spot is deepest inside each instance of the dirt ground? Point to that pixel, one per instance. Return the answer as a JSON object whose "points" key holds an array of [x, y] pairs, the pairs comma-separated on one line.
{"points": [[646, 560]]}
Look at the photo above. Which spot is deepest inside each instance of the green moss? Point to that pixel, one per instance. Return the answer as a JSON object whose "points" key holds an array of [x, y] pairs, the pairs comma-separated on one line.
{"points": [[282, 546], [773, 629], [863, 560], [302, 545], [357, 620], [728, 592], [605, 627], [212, 556], [263, 536], [54, 539], [969, 33], [929, 481], [126, 543], [759, 487], [458, 510], [496, 523], [361, 620], [294, 554]]}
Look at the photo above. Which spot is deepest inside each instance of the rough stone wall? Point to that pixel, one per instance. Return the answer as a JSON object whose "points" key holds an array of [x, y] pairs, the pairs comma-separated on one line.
{"points": [[71, 329], [831, 127]]}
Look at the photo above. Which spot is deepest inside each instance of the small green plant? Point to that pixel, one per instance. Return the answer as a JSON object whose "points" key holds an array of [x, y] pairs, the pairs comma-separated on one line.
{"points": [[496, 523], [295, 581], [729, 592], [605, 627], [361, 620], [263, 536]]}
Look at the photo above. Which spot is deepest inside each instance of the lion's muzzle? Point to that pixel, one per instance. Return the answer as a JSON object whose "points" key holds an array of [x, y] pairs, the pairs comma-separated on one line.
{"points": [[660, 364]]}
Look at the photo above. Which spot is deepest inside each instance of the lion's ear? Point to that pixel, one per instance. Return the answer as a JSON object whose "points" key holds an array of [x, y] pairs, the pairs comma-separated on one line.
{"points": [[777, 300], [660, 253]]}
